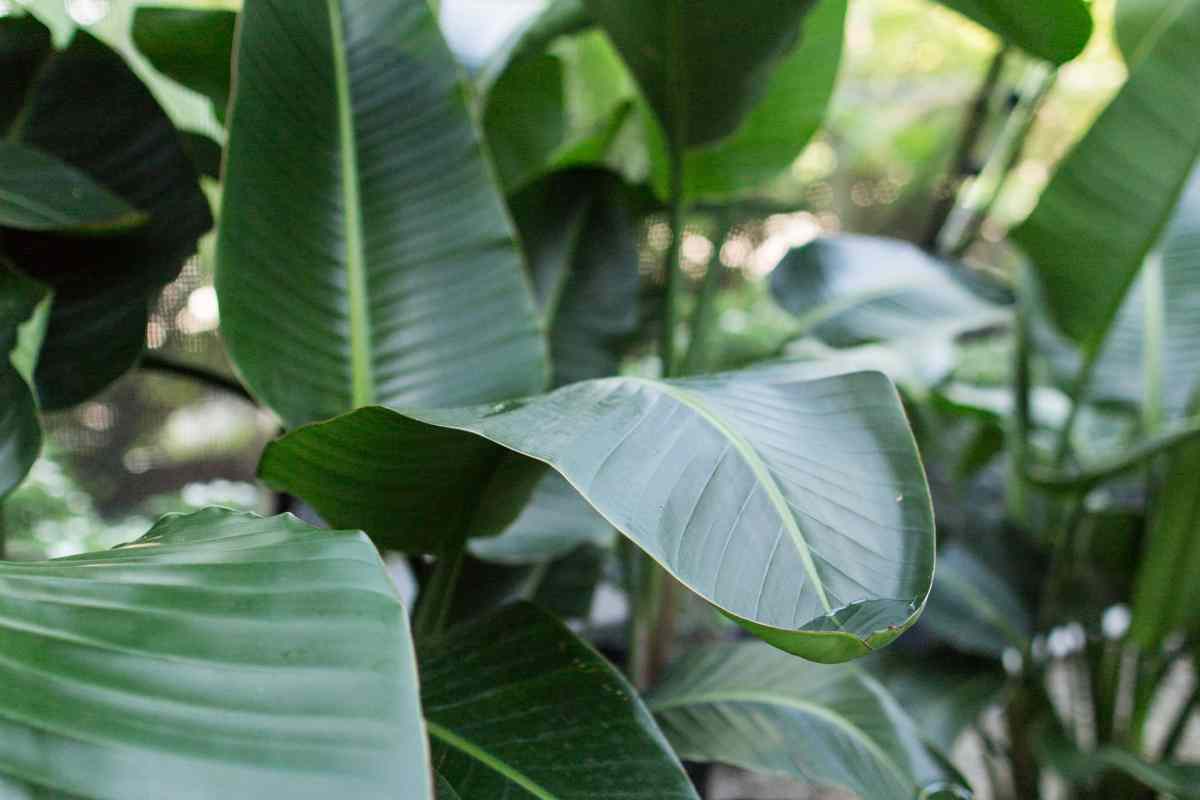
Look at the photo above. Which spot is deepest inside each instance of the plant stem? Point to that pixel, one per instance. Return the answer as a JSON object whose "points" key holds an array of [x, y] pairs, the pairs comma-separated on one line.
{"points": [[156, 363], [962, 165], [1018, 435], [673, 273], [437, 598], [704, 319]]}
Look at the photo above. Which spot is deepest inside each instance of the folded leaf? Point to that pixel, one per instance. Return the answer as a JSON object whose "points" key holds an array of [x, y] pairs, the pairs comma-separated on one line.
{"points": [[221, 655], [798, 508], [193, 47], [756, 708], [20, 431], [352, 248], [1056, 30], [517, 706]]}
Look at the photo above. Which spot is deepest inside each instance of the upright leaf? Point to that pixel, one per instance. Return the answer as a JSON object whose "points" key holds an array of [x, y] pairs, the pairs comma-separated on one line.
{"points": [[1056, 30], [701, 65], [221, 655], [798, 508], [25, 44], [20, 433], [756, 708], [1086, 238], [41, 193], [518, 707], [191, 46], [367, 255], [88, 109]]}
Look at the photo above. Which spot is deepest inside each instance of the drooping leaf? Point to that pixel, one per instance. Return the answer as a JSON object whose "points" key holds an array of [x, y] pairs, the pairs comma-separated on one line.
{"points": [[756, 708], [798, 508], [782, 122], [701, 65], [1056, 30], [25, 44], [518, 707], [854, 289], [190, 46], [41, 193], [1087, 240], [975, 608], [366, 256], [1176, 780], [221, 655], [124, 141], [20, 432]]}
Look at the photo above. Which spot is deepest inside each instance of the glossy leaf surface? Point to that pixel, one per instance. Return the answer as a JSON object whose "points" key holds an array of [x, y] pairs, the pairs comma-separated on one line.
{"points": [[40, 193], [124, 141], [798, 508], [518, 707], [756, 708], [221, 655], [191, 46], [1056, 30], [367, 256]]}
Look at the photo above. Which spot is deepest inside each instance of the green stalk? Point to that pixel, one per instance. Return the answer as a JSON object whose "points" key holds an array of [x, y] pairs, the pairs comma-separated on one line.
{"points": [[437, 598], [672, 269], [704, 319]]}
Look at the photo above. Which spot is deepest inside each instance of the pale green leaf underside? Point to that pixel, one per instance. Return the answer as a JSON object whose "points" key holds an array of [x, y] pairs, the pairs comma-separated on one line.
{"points": [[798, 508], [221, 655], [352, 248]]}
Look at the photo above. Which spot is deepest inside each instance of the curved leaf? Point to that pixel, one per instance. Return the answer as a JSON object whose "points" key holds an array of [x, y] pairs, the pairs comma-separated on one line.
{"points": [[20, 431], [518, 707], [1056, 30], [191, 46], [798, 508], [1087, 240], [756, 708], [221, 655], [854, 289], [40, 193], [124, 141], [25, 44], [351, 249], [701, 65]]}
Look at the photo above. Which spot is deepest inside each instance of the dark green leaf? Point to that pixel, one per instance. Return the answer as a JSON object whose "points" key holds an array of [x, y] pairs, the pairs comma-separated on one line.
{"points": [[20, 433], [518, 707], [25, 45], [366, 256], [854, 289], [221, 655], [1087, 241], [124, 141], [757, 708], [38, 192], [702, 65], [204, 152], [558, 18], [1056, 30], [526, 119], [798, 508], [567, 586], [191, 46], [974, 607], [1180, 781]]}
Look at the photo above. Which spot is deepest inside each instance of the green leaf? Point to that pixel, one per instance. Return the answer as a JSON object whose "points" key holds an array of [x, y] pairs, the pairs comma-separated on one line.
{"points": [[190, 46], [533, 39], [1177, 780], [798, 508], [221, 655], [1167, 589], [518, 707], [20, 432], [756, 708], [854, 289], [25, 44], [1140, 23], [1087, 241], [778, 127], [974, 607], [1055, 30], [366, 256], [41, 193], [525, 119], [701, 65], [124, 141]]}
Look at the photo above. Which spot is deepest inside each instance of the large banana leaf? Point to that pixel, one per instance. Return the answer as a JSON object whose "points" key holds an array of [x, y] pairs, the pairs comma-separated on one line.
{"points": [[757, 708], [20, 433], [702, 65], [24, 45], [88, 109], [367, 255], [41, 193], [1056, 30], [1112, 196], [221, 655], [798, 508], [853, 289], [518, 707], [192, 46]]}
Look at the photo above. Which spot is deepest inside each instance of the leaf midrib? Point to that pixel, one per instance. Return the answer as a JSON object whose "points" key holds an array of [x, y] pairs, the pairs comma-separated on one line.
{"points": [[490, 761], [362, 377]]}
